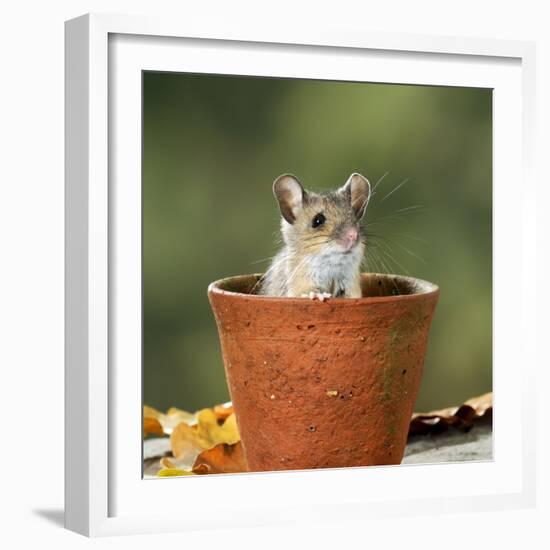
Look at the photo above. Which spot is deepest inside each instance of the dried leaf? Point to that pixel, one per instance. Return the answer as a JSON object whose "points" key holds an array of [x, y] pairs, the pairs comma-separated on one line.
{"points": [[481, 404], [173, 467], [151, 412], [186, 445], [151, 426], [461, 417], [224, 410], [221, 459], [173, 472], [211, 433], [152, 419], [174, 416]]}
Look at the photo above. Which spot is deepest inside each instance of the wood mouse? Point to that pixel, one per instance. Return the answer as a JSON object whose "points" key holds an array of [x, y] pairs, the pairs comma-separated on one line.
{"points": [[323, 241]]}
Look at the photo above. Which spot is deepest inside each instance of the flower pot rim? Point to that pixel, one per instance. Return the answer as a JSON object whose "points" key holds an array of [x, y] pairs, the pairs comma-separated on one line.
{"points": [[422, 290]]}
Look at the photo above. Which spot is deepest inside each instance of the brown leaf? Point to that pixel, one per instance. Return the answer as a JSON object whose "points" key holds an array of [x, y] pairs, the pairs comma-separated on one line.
{"points": [[481, 404], [151, 426], [221, 459], [461, 417]]}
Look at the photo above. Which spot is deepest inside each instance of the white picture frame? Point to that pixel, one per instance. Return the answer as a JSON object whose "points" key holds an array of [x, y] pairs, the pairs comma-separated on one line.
{"points": [[105, 494]]}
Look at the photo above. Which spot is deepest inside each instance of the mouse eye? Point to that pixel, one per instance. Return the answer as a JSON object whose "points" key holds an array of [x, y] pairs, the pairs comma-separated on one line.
{"points": [[318, 220]]}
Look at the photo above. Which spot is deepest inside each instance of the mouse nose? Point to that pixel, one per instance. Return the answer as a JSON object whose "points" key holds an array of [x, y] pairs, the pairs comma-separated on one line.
{"points": [[351, 235]]}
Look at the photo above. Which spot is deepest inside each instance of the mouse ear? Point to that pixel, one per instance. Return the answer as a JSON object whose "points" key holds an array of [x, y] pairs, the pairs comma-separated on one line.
{"points": [[290, 194], [358, 188]]}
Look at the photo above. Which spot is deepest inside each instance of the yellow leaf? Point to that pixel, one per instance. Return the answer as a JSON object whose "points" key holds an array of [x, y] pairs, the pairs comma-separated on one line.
{"points": [[185, 443], [151, 412], [173, 472], [175, 416], [210, 433], [152, 418]]}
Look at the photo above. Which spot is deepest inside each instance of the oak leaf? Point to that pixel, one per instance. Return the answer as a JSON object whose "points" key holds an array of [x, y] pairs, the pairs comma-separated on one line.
{"points": [[173, 472], [221, 459], [462, 417], [186, 445], [211, 433], [151, 426], [224, 410], [152, 418]]}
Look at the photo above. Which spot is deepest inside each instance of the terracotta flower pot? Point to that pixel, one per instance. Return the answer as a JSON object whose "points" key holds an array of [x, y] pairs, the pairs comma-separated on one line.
{"points": [[324, 384]]}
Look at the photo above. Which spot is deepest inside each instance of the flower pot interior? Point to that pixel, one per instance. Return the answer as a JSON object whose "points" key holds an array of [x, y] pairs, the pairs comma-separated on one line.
{"points": [[373, 285]]}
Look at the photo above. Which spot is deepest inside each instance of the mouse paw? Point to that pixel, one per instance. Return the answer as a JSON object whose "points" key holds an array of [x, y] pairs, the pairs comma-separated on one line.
{"points": [[321, 296]]}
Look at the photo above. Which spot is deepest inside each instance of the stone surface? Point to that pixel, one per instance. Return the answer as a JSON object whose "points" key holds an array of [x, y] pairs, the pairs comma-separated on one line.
{"points": [[451, 446], [156, 447]]}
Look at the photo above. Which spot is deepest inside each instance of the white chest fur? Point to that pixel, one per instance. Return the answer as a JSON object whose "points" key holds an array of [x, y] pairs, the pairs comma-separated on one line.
{"points": [[332, 270]]}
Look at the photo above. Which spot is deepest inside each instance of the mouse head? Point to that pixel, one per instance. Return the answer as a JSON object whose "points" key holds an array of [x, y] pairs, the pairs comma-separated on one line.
{"points": [[318, 223]]}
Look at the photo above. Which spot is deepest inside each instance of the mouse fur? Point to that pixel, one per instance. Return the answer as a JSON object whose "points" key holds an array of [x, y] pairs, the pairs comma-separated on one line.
{"points": [[323, 240]]}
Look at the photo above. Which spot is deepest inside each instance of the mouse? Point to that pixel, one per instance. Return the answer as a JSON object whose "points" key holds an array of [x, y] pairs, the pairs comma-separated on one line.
{"points": [[323, 242]]}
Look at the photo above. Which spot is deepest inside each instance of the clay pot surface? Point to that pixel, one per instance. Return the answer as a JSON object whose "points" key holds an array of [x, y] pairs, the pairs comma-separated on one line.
{"points": [[324, 384]]}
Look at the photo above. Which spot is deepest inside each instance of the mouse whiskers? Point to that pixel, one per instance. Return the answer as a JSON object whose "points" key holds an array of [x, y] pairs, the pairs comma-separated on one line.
{"points": [[395, 189]]}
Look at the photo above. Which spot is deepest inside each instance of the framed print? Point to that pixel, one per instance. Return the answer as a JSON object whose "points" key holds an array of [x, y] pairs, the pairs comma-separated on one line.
{"points": [[294, 376]]}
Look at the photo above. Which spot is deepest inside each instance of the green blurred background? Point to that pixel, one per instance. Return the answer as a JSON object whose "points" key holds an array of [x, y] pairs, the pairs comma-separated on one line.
{"points": [[212, 146]]}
